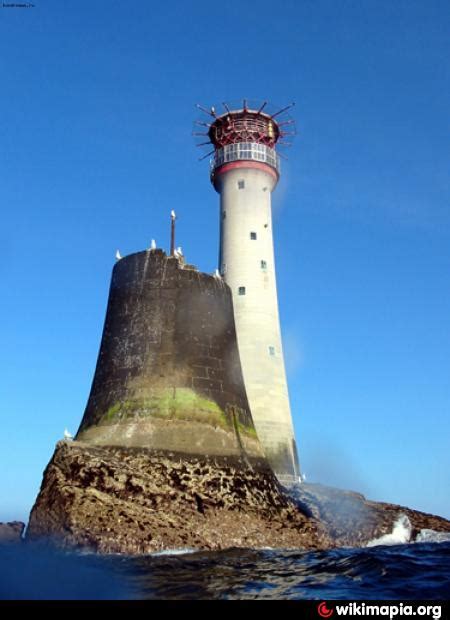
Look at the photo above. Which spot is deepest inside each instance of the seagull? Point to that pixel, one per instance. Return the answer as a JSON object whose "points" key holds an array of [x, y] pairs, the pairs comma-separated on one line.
{"points": [[217, 274], [172, 214], [153, 245], [67, 435], [180, 251], [176, 253], [118, 255]]}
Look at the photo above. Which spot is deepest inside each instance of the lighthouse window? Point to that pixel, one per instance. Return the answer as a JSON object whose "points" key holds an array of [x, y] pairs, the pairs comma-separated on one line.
{"points": [[224, 214], [272, 351], [241, 184], [263, 264], [253, 236], [241, 290]]}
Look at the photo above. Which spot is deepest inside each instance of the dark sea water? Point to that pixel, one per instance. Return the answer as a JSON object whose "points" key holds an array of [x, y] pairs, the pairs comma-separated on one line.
{"points": [[409, 571]]}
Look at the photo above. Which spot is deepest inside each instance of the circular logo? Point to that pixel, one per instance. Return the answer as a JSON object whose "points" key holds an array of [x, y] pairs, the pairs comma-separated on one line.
{"points": [[324, 611]]}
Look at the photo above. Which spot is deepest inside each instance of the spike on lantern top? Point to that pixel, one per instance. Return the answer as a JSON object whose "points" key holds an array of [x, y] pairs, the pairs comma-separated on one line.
{"points": [[246, 124]]}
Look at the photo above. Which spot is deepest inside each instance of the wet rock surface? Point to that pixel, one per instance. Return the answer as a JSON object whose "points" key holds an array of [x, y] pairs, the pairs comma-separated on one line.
{"points": [[130, 500], [352, 520]]}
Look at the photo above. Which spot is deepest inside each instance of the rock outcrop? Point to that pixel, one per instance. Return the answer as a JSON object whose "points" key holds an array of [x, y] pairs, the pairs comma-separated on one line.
{"points": [[11, 532], [352, 520], [131, 500], [134, 501]]}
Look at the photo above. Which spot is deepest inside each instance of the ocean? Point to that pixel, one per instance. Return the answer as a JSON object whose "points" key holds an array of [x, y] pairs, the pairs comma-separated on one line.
{"points": [[383, 572]]}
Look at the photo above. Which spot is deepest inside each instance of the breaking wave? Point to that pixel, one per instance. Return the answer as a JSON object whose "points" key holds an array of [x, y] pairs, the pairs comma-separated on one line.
{"points": [[181, 551], [430, 536], [401, 534]]}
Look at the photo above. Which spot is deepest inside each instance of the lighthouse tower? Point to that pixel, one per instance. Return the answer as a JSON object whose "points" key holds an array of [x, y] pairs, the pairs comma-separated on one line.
{"points": [[245, 170]]}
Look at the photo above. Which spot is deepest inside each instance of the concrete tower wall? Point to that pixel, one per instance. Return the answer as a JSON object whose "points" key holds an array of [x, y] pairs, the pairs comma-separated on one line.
{"points": [[168, 375], [248, 266]]}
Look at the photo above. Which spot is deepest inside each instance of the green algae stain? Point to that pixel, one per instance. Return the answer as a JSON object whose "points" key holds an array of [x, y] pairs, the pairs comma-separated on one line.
{"points": [[170, 404], [112, 412], [177, 404], [239, 421], [247, 430]]}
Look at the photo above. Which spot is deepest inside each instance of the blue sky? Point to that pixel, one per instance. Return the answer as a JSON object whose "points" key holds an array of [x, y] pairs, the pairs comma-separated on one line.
{"points": [[96, 117]]}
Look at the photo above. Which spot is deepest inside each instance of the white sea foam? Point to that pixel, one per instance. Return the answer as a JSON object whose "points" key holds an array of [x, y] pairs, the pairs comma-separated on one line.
{"points": [[180, 551], [401, 534], [430, 536]]}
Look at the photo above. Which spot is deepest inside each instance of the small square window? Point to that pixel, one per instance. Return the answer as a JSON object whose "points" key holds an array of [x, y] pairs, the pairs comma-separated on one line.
{"points": [[272, 351], [253, 236], [263, 264], [241, 184], [224, 214], [241, 290]]}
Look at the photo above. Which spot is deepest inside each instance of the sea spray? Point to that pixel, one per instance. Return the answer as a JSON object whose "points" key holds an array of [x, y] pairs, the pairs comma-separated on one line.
{"points": [[401, 533], [430, 536], [168, 552]]}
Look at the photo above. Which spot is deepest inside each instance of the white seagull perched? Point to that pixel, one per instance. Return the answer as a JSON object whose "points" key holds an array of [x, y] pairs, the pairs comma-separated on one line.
{"points": [[67, 435], [176, 253], [118, 255], [172, 214], [153, 245], [217, 274], [180, 251]]}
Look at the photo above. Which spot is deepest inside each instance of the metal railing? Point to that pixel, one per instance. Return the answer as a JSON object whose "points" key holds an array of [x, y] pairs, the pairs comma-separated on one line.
{"points": [[245, 150]]}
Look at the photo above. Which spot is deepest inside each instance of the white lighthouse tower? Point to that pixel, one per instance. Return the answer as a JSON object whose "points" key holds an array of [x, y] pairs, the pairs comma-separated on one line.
{"points": [[244, 171]]}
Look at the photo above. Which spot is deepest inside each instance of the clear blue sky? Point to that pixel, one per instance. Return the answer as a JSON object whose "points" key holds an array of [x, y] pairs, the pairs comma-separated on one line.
{"points": [[96, 110]]}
